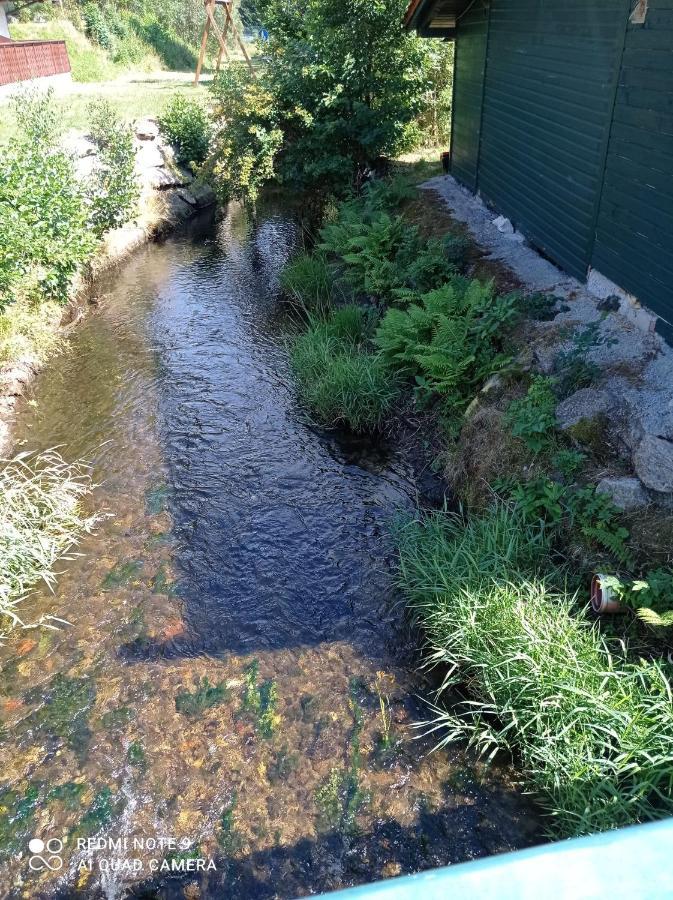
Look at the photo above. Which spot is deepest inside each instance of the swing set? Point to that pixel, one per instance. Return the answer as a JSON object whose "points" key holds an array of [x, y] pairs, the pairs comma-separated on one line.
{"points": [[220, 34]]}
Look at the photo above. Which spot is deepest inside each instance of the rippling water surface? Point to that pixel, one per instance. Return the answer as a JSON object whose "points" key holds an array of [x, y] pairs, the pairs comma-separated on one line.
{"points": [[234, 690]]}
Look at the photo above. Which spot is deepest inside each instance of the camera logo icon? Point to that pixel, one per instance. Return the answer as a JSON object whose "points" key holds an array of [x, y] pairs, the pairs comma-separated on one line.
{"points": [[45, 854]]}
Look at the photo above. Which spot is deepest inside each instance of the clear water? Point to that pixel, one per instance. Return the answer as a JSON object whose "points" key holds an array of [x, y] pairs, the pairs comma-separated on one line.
{"points": [[243, 546]]}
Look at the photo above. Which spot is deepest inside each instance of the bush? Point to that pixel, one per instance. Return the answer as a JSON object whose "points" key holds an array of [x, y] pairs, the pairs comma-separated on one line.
{"points": [[307, 279], [341, 382], [40, 519], [594, 732], [113, 187], [248, 136], [185, 124], [45, 235]]}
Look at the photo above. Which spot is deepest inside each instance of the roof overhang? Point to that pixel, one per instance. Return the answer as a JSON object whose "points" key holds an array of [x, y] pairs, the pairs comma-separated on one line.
{"points": [[434, 18]]}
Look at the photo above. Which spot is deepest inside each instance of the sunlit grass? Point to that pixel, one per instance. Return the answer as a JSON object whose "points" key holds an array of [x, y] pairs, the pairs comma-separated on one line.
{"points": [[41, 519], [592, 730]]}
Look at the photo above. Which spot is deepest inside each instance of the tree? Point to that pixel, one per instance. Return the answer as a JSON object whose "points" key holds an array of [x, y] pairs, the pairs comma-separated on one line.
{"points": [[346, 83]]}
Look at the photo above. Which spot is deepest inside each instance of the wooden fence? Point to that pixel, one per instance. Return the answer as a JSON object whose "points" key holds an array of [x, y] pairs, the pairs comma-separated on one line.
{"points": [[24, 60]]}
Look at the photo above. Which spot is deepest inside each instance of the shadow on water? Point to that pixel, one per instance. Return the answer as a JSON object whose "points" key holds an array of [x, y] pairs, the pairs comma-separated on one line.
{"points": [[279, 528], [335, 859]]}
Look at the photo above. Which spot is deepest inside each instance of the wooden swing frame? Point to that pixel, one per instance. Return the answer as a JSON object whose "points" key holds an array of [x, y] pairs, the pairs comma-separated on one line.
{"points": [[221, 36]]}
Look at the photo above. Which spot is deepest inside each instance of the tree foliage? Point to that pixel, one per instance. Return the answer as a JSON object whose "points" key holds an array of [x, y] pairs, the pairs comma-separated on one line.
{"points": [[342, 86]]}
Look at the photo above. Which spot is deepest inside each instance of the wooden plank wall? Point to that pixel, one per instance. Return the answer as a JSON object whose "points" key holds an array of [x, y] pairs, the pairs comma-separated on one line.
{"points": [[634, 232]]}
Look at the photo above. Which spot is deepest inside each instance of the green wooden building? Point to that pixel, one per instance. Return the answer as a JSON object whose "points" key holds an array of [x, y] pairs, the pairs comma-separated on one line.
{"points": [[563, 122]]}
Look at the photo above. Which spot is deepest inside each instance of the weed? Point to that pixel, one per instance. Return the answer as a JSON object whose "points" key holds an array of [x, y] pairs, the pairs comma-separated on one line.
{"points": [[156, 499], [592, 730], [573, 369], [136, 755], [227, 836], [116, 718], [307, 279], [68, 794], [533, 418], [64, 713], [113, 189], [204, 697], [122, 574], [568, 462], [40, 520], [260, 700], [103, 809], [17, 812]]}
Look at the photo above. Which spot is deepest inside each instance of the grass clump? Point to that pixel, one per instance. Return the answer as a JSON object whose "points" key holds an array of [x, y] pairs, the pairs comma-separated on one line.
{"points": [[593, 731], [41, 518], [307, 280], [341, 382]]}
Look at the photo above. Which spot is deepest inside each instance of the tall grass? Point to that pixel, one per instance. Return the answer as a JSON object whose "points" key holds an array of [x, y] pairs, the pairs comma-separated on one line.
{"points": [[41, 518], [307, 279], [593, 731], [338, 379]]}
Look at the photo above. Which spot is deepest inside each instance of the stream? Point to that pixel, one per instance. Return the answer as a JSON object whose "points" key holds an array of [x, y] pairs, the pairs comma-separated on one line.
{"points": [[228, 708]]}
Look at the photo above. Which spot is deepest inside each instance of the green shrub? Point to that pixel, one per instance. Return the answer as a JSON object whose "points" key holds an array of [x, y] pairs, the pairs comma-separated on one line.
{"points": [[45, 235], [533, 418], [593, 732], [40, 519], [307, 279], [248, 136], [113, 188], [185, 124], [339, 381]]}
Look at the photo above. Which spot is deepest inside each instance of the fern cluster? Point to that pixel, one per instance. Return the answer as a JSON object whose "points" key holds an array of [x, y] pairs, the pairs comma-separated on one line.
{"points": [[383, 255], [440, 340]]}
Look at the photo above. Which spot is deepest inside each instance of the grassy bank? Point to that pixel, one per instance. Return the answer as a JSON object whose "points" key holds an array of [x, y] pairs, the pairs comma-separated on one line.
{"points": [[41, 518], [499, 593]]}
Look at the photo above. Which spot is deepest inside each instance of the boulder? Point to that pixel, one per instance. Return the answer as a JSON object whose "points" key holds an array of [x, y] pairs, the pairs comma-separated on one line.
{"points": [[586, 403], [626, 493], [177, 210], [203, 194], [78, 145], [148, 156], [161, 178], [146, 129], [653, 462]]}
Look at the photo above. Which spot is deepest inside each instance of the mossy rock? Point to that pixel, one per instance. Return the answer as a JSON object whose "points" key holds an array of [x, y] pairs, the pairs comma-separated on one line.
{"points": [[64, 714]]}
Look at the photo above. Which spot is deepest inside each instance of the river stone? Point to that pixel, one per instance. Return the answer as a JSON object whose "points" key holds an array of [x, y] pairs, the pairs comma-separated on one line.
{"points": [[148, 156], [586, 403], [79, 145], [625, 493], [146, 129], [161, 178], [177, 209], [653, 461], [203, 194]]}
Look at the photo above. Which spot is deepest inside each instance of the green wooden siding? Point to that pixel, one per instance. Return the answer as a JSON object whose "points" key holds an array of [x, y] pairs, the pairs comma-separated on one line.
{"points": [[634, 233], [551, 75], [468, 92]]}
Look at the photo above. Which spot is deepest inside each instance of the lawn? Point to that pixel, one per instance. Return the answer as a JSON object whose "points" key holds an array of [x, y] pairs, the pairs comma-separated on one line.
{"points": [[133, 95]]}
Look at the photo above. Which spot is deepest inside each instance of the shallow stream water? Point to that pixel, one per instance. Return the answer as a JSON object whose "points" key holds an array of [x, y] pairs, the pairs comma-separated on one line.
{"points": [[229, 710]]}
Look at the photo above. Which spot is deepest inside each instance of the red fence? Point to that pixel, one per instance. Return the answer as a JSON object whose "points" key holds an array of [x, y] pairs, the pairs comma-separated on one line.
{"points": [[23, 60]]}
